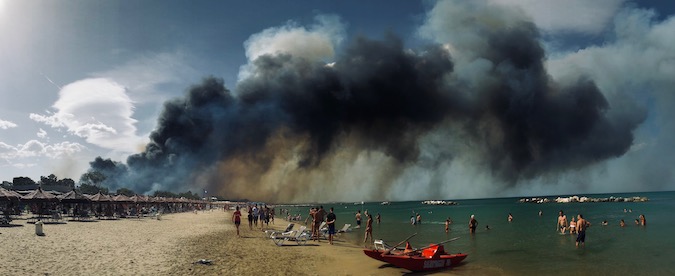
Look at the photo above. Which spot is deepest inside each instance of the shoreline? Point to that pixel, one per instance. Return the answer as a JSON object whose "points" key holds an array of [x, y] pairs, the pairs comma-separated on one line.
{"points": [[254, 254], [173, 245]]}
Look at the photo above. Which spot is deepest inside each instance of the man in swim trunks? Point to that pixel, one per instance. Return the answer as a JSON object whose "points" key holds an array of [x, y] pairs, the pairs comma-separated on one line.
{"points": [[582, 225], [562, 222], [330, 221], [318, 219], [358, 219]]}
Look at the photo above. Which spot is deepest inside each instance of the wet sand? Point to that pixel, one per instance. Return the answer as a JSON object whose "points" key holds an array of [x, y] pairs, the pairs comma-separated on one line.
{"points": [[172, 245]]}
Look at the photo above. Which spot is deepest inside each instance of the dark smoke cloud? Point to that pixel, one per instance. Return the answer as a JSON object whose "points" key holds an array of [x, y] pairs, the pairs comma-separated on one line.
{"points": [[380, 97]]}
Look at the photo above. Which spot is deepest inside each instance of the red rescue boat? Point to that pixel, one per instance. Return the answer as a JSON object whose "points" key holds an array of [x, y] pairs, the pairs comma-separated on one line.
{"points": [[431, 257]]}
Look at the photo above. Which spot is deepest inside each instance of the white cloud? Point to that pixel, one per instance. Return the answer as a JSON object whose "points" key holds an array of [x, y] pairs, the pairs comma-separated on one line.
{"points": [[143, 76], [6, 124], [34, 148], [98, 110], [315, 43], [42, 134], [590, 17]]}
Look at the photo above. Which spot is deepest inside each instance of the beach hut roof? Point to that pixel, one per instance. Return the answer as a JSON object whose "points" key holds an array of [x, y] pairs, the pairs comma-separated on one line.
{"points": [[121, 198], [6, 195], [39, 195], [99, 197], [139, 198], [74, 197]]}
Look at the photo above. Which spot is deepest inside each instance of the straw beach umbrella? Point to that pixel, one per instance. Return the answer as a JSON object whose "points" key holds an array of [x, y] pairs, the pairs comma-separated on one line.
{"points": [[100, 199], [121, 204], [7, 195], [8, 200], [41, 200], [39, 196], [78, 200], [74, 197]]}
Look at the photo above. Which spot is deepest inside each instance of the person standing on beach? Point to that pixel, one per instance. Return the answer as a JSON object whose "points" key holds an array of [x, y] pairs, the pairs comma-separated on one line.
{"points": [[562, 222], [261, 214], [330, 221], [447, 225], [582, 225], [369, 230], [318, 219], [473, 223], [255, 215], [236, 217], [250, 218], [311, 216], [358, 218]]}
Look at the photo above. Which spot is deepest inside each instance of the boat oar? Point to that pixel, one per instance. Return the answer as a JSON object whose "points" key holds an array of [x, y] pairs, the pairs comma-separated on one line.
{"points": [[394, 247], [446, 241]]}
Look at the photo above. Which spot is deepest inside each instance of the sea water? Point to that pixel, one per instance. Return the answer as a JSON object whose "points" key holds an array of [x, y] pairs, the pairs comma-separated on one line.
{"points": [[531, 244]]}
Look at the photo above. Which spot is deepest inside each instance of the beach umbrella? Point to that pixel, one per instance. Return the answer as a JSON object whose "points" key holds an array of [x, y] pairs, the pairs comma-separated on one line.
{"points": [[99, 197], [7, 195], [74, 197], [39, 196], [121, 198]]}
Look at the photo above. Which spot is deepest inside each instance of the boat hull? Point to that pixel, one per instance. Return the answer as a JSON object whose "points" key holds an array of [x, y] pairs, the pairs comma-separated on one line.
{"points": [[420, 263], [417, 262]]}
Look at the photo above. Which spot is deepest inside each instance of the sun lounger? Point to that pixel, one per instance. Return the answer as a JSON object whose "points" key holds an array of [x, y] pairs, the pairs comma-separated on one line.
{"points": [[345, 228], [270, 233], [298, 236]]}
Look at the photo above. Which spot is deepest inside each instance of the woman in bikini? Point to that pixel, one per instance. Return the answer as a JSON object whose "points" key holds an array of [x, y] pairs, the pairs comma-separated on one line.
{"points": [[236, 217], [573, 226]]}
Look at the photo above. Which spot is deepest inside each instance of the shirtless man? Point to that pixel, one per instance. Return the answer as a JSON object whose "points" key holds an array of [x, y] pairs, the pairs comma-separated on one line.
{"points": [[318, 219], [562, 222], [358, 219], [582, 225]]}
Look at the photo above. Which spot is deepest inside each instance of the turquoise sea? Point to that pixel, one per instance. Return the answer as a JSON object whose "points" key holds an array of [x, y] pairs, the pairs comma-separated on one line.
{"points": [[530, 244]]}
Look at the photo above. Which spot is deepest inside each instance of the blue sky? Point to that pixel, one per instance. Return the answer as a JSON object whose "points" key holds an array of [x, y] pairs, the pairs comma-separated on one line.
{"points": [[82, 79]]}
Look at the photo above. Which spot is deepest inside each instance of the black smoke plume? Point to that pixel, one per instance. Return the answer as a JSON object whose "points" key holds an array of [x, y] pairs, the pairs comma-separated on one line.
{"points": [[379, 97]]}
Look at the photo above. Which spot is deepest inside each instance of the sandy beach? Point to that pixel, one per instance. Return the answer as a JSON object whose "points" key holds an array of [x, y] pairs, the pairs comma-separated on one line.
{"points": [[171, 246]]}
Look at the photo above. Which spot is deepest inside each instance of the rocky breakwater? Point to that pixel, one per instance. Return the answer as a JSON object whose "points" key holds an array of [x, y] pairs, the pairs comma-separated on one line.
{"points": [[583, 199]]}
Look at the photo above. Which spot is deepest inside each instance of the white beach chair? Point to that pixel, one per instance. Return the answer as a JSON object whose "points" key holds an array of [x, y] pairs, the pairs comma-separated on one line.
{"points": [[298, 236], [270, 233], [346, 228]]}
